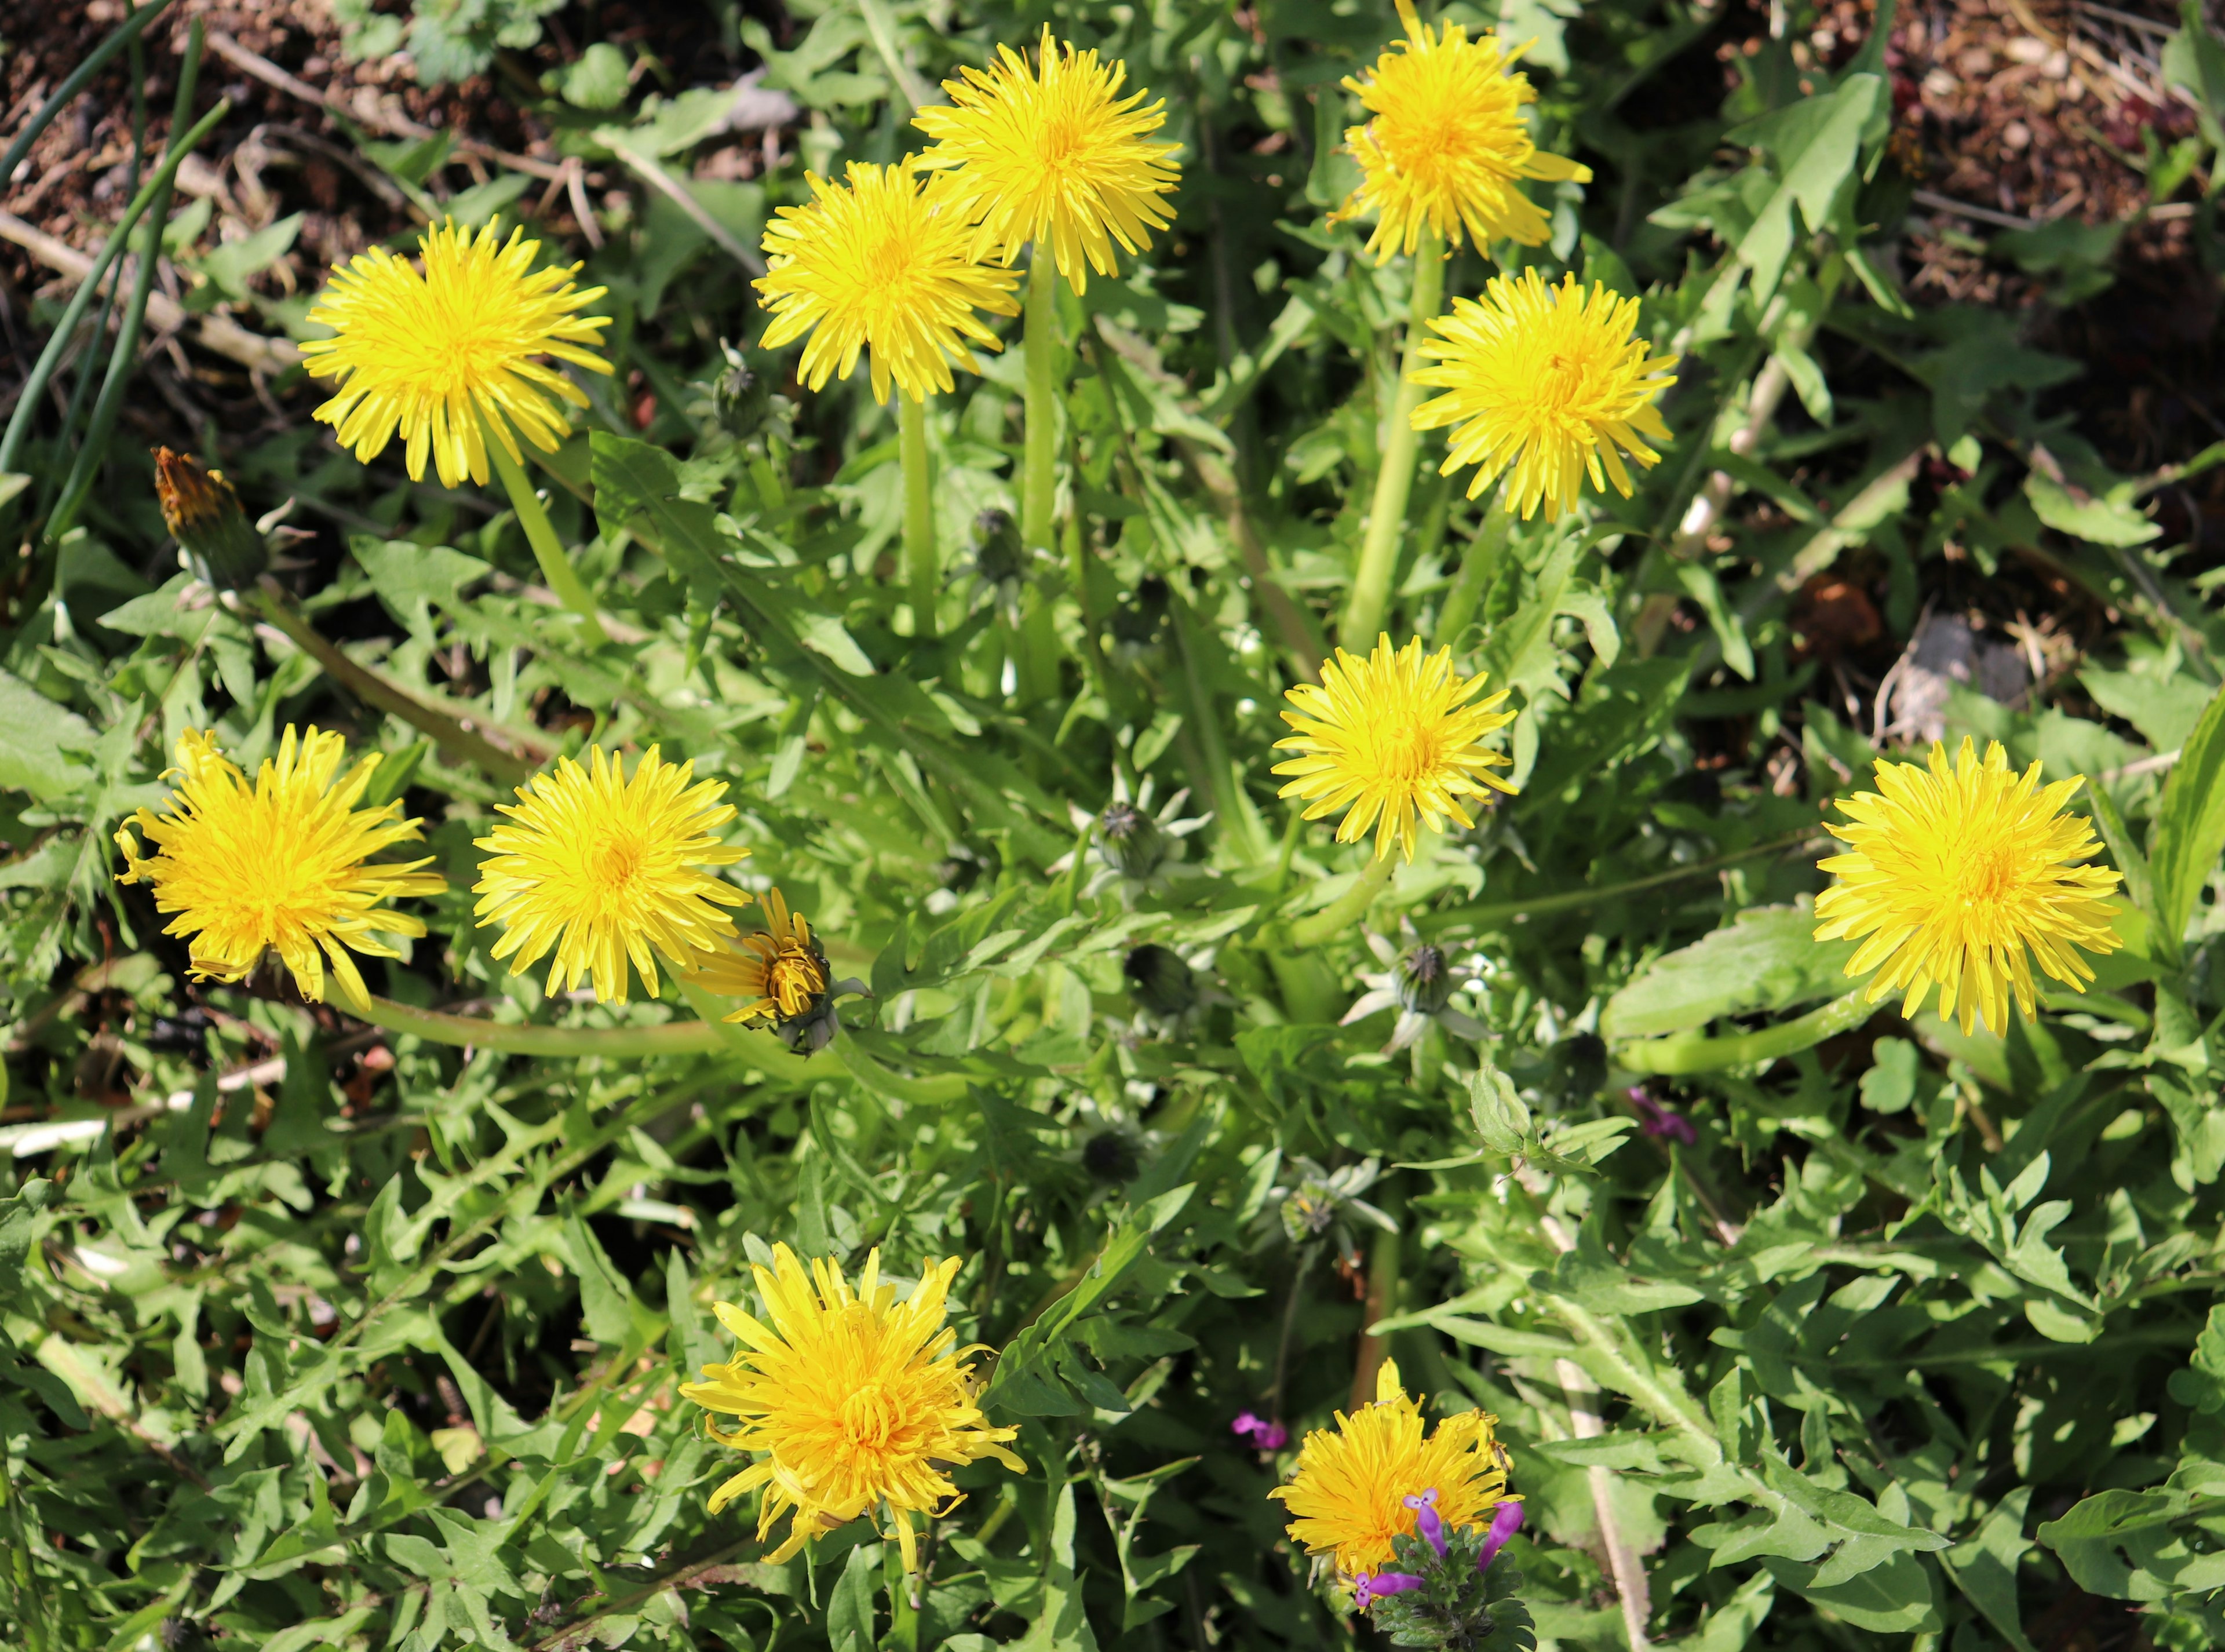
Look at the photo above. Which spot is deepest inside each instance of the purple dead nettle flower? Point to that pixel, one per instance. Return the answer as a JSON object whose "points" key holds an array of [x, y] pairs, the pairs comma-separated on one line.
{"points": [[1427, 1521], [1265, 1435], [1657, 1120], [1419, 983], [1504, 1525], [1371, 1586]]}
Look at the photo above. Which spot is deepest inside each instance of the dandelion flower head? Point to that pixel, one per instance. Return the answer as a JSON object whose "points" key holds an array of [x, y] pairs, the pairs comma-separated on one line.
{"points": [[600, 870], [859, 1402], [1960, 876], [880, 264], [1393, 738], [1550, 382], [1347, 1496], [446, 355], [282, 864], [1054, 155], [777, 972], [1445, 145]]}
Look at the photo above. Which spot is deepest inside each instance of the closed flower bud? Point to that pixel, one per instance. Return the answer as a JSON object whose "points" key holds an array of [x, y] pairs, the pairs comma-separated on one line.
{"points": [[1424, 980], [204, 515], [998, 558], [1161, 981], [740, 398], [1129, 840]]}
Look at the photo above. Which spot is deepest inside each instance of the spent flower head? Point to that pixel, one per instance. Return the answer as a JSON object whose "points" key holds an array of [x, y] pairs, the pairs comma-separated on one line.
{"points": [[1445, 145], [1393, 739], [1959, 875], [205, 516], [883, 263], [1552, 384], [601, 870], [450, 355], [1054, 155], [856, 1401], [282, 865]]}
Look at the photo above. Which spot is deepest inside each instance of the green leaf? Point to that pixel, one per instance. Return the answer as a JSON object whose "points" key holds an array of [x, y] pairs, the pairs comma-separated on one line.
{"points": [[2097, 518], [229, 265], [849, 1608], [1767, 958], [34, 734], [2189, 828], [2138, 1545]]}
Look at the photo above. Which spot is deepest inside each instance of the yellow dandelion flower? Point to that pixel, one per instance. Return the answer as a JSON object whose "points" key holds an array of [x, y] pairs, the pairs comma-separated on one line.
{"points": [[1963, 876], [1393, 737], [881, 265], [282, 865], [858, 1401], [778, 973], [448, 356], [1548, 380], [600, 870], [1347, 1498], [1447, 145], [1054, 155]]}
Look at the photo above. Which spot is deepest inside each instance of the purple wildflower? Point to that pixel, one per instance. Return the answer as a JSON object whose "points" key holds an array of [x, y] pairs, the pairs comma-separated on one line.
{"points": [[1264, 1435], [1427, 1521], [1657, 1120], [1373, 1585], [1504, 1524]]}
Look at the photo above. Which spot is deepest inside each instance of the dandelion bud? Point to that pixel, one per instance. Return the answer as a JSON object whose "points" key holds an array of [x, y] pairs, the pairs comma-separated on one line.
{"points": [[204, 515], [997, 554], [1129, 840], [740, 398], [1160, 981], [1109, 1156], [1424, 981]]}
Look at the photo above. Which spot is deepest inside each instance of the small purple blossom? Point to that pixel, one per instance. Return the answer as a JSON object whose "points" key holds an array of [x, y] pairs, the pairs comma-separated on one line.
{"points": [[1427, 1521], [1657, 1120], [1373, 1585], [1504, 1524], [1265, 1435]]}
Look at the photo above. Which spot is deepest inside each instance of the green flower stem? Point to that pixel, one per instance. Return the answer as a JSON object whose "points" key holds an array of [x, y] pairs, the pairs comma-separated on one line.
{"points": [[1684, 1053], [1039, 479], [455, 737], [1481, 564], [1394, 477], [1385, 1259], [541, 534], [514, 1038], [1347, 908], [920, 569]]}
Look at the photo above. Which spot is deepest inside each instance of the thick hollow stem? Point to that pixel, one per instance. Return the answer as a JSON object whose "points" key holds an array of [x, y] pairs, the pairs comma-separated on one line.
{"points": [[514, 1038], [1040, 341], [1690, 1053], [1394, 479], [920, 569], [1346, 909], [1484, 555], [541, 534]]}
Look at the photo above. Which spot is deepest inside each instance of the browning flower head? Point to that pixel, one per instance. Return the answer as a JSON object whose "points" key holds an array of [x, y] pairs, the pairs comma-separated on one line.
{"points": [[1959, 877], [1358, 1486], [883, 265], [1392, 737], [1550, 382], [1446, 145], [448, 356], [1053, 155], [280, 865], [204, 515], [858, 1402], [600, 870]]}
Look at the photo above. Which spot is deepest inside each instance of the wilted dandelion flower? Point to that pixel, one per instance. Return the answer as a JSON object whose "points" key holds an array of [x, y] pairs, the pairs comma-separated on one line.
{"points": [[1446, 144], [858, 1402], [282, 864], [446, 355], [1393, 738], [1552, 382], [1350, 1494], [599, 869], [1054, 155], [880, 264], [1961, 875]]}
